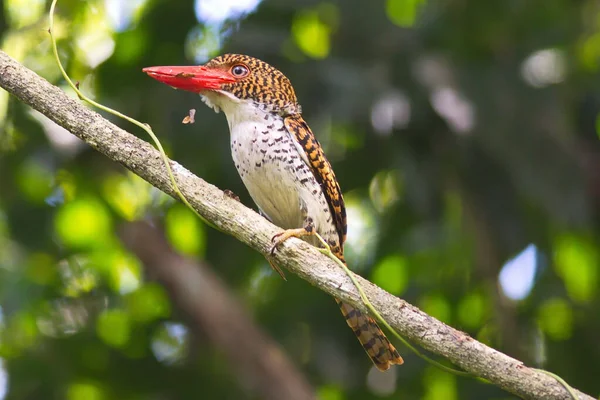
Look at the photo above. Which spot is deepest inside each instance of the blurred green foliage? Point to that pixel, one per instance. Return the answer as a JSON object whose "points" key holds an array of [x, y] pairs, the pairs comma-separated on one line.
{"points": [[462, 133]]}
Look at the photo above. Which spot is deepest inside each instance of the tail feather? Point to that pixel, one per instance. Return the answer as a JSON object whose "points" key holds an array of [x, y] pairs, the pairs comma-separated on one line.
{"points": [[371, 337], [369, 334]]}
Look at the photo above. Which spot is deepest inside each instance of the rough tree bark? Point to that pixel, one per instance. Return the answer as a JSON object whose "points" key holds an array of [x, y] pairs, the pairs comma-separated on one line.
{"points": [[233, 218]]}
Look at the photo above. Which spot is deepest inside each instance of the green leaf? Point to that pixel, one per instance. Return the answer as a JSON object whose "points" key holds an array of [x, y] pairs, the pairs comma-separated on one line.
{"points": [[439, 385], [471, 310], [555, 318], [391, 274], [148, 303], [83, 223], [123, 269], [437, 306], [114, 327], [403, 12], [576, 261], [185, 231], [311, 34], [589, 53], [21, 13], [34, 180], [85, 391], [128, 194], [20, 333], [330, 392]]}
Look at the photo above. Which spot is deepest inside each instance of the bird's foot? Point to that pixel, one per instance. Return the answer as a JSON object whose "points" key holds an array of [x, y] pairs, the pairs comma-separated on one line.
{"points": [[285, 235], [281, 237]]}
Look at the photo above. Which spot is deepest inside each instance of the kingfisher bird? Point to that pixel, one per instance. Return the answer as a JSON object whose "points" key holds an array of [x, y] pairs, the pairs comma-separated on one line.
{"points": [[280, 162]]}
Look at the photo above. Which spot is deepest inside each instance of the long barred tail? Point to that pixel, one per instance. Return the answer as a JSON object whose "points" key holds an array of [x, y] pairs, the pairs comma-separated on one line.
{"points": [[371, 337]]}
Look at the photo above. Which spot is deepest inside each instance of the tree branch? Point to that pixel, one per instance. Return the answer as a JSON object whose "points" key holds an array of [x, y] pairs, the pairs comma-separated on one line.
{"points": [[299, 257]]}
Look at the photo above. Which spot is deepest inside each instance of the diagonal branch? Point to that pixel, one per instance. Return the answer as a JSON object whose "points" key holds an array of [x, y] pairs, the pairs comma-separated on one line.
{"points": [[247, 226]]}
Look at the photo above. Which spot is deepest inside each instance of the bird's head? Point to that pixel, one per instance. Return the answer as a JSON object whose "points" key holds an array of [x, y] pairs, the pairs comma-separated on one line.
{"points": [[229, 81]]}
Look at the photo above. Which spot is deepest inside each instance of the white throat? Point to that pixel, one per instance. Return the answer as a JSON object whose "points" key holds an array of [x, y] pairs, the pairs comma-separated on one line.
{"points": [[236, 111]]}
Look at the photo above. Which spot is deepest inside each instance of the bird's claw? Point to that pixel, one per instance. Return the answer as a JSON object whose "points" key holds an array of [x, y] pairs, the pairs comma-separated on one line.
{"points": [[281, 237], [276, 241]]}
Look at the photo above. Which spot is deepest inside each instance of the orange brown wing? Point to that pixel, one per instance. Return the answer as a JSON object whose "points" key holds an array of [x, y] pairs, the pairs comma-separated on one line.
{"points": [[322, 170], [371, 337]]}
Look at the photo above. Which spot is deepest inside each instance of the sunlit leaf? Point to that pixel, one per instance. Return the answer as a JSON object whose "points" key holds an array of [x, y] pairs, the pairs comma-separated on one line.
{"points": [[93, 36], [128, 194], [120, 269], [66, 181], [20, 13], [439, 385], [185, 231], [24, 328], [26, 41], [403, 12], [34, 180], [114, 327], [576, 261], [85, 391], [78, 276], [124, 271], [148, 303], [471, 310], [437, 306], [311, 34], [391, 274], [330, 392], [589, 52], [83, 223], [555, 318]]}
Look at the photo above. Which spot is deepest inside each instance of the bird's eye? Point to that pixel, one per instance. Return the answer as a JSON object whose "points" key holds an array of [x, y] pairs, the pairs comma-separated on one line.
{"points": [[239, 71]]}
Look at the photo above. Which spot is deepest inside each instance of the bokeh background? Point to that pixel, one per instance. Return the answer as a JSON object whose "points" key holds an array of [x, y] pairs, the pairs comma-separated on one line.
{"points": [[464, 136]]}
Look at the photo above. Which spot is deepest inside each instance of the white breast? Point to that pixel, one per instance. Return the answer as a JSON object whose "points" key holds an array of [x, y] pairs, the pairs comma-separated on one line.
{"points": [[275, 173]]}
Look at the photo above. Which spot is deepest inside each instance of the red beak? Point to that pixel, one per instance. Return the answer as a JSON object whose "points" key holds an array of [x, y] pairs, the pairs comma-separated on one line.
{"points": [[190, 78]]}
